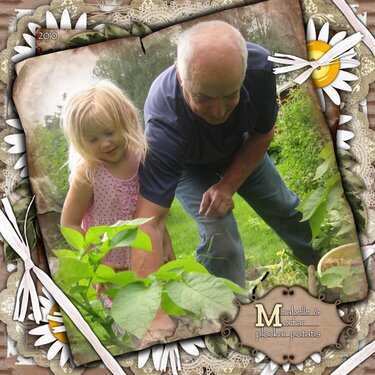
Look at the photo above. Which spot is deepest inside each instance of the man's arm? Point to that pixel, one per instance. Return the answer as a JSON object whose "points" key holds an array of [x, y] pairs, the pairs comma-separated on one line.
{"points": [[143, 263], [217, 200]]}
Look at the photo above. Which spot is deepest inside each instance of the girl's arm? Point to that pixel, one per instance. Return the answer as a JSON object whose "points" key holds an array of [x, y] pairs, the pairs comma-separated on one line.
{"points": [[77, 201]]}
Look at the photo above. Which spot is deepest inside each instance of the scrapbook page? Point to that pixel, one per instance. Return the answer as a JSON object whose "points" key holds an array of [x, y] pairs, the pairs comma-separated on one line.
{"points": [[272, 282]]}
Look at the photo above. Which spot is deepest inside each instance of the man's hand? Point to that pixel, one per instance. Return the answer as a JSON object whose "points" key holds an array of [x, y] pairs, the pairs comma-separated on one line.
{"points": [[216, 201], [143, 263], [169, 254], [161, 328]]}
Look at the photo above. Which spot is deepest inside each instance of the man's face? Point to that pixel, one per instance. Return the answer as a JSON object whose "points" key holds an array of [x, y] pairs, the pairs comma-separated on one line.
{"points": [[213, 95]]}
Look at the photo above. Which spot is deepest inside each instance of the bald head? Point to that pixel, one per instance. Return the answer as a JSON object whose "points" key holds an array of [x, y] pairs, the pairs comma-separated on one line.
{"points": [[212, 46]]}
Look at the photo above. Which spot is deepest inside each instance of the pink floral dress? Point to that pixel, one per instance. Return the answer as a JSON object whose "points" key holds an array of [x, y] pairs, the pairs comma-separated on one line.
{"points": [[113, 200]]}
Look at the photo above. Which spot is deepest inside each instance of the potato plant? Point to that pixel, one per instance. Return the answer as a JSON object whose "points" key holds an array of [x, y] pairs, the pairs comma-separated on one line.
{"points": [[181, 288]]}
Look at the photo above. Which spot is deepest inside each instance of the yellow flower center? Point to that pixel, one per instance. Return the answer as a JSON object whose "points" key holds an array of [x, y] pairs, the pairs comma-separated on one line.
{"points": [[324, 75], [61, 336]]}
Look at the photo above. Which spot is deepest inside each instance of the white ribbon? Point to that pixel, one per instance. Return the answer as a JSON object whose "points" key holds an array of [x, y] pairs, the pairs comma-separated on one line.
{"points": [[11, 234], [367, 251], [355, 360], [357, 25], [338, 50]]}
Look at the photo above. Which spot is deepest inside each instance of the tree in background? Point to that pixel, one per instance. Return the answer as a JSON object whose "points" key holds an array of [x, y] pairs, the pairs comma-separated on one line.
{"points": [[52, 154]]}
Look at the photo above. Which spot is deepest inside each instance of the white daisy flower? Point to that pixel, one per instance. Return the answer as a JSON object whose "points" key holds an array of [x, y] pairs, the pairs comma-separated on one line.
{"points": [[343, 135], [161, 354], [330, 78], [272, 366], [24, 52], [53, 332], [286, 367], [17, 141], [316, 357], [300, 366]]}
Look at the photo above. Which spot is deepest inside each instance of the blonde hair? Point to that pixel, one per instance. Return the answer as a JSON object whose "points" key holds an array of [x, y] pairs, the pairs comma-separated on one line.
{"points": [[105, 105]]}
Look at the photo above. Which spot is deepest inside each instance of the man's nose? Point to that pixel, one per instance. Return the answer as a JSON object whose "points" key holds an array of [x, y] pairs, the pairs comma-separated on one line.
{"points": [[218, 109]]}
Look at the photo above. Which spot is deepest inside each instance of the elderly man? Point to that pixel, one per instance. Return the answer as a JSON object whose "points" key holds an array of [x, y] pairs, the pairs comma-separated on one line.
{"points": [[209, 122]]}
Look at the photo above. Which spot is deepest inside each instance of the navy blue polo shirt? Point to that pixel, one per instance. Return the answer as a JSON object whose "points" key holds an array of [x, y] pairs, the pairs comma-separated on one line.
{"points": [[179, 139]]}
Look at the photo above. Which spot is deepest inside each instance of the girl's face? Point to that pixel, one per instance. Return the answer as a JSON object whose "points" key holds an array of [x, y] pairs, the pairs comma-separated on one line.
{"points": [[107, 145]]}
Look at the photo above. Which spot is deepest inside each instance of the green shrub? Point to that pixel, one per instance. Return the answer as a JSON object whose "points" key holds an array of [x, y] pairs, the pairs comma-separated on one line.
{"points": [[297, 142]]}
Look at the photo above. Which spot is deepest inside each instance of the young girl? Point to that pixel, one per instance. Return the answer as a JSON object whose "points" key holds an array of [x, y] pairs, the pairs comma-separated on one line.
{"points": [[101, 125]]}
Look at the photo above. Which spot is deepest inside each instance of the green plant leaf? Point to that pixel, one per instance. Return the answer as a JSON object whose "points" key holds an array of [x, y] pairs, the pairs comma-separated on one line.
{"points": [[103, 273], [124, 278], [327, 151], [325, 166], [334, 276], [135, 307], [170, 307], [72, 271], [112, 291], [334, 194], [312, 203], [104, 247], [123, 238], [63, 253], [142, 241], [203, 294], [127, 224], [74, 238], [316, 220], [83, 291], [317, 198], [174, 274], [79, 289], [331, 280], [93, 258], [235, 288], [346, 229], [188, 264], [332, 181], [342, 270], [91, 294], [94, 234]]}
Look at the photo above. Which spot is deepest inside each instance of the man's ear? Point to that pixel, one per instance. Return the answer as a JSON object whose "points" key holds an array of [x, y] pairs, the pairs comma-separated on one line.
{"points": [[178, 73]]}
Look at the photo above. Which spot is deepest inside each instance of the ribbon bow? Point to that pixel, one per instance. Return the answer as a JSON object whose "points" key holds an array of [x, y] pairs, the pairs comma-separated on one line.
{"points": [[368, 39], [11, 234], [339, 50]]}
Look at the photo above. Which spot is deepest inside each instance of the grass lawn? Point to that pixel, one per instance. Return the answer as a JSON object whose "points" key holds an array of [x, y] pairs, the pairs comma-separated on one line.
{"points": [[260, 243]]}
